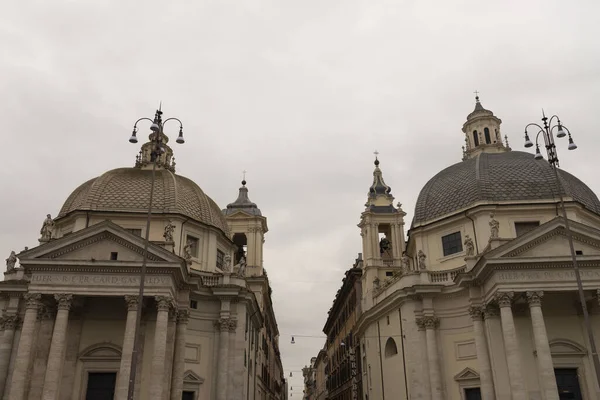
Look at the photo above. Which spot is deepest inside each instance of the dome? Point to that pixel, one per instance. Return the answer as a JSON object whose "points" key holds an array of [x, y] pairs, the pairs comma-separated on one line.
{"points": [[128, 190], [513, 176]]}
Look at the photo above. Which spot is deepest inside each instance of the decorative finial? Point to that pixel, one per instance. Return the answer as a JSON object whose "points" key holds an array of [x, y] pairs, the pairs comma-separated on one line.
{"points": [[476, 96], [244, 178], [506, 140], [376, 160]]}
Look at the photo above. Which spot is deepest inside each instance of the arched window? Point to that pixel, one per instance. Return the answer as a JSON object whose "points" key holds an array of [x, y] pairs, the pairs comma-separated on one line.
{"points": [[390, 348], [486, 132], [475, 138]]}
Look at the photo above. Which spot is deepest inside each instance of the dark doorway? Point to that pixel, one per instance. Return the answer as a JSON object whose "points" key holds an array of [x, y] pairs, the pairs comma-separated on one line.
{"points": [[568, 384], [473, 394], [101, 386], [188, 396]]}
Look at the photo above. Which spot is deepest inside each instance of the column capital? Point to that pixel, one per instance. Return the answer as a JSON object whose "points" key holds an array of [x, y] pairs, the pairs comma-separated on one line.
{"points": [[226, 324], [63, 301], [420, 323], [504, 299], [163, 303], [45, 312], [183, 316], [32, 300], [10, 322], [534, 298], [490, 311], [431, 322], [132, 302], [476, 313]]}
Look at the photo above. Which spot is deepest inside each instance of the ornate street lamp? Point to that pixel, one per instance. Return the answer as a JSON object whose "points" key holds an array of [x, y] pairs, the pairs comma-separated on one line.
{"points": [[156, 139], [547, 132]]}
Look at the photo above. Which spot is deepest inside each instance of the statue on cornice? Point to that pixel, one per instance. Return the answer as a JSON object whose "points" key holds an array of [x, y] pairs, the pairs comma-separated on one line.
{"points": [[168, 234], [405, 263], [47, 229], [469, 246], [226, 263], [376, 283], [187, 251], [242, 267], [11, 261], [494, 227], [422, 257]]}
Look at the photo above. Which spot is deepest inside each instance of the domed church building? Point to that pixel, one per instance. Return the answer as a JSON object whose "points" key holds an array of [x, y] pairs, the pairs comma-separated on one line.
{"points": [[69, 306], [480, 301]]}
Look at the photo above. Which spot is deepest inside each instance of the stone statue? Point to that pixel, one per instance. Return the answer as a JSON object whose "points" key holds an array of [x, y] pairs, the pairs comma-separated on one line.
{"points": [[494, 227], [187, 251], [226, 263], [47, 228], [376, 283], [469, 246], [168, 234], [422, 258], [405, 262], [11, 261], [384, 245], [242, 266]]}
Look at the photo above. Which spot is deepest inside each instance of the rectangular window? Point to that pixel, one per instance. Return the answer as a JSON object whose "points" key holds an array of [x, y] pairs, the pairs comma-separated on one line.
{"points": [[389, 273], [194, 244], [114, 255], [193, 304], [136, 232], [523, 227], [220, 259], [452, 243], [473, 393]]}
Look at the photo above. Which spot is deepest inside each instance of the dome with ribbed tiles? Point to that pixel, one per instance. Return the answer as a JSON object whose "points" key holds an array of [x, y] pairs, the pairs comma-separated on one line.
{"points": [[127, 190], [510, 177]]}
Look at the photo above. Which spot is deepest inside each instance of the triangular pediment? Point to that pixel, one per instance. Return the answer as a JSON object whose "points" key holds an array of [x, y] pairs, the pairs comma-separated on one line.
{"points": [[97, 243], [550, 240], [466, 374], [191, 377]]}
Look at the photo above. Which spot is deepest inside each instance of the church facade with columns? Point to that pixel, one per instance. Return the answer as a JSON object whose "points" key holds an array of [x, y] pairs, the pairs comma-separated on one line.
{"points": [[69, 305], [480, 301]]}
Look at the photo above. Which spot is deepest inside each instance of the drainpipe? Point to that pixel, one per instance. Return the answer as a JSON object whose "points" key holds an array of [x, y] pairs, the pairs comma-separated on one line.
{"points": [[380, 362], [181, 236], [474, 233]]}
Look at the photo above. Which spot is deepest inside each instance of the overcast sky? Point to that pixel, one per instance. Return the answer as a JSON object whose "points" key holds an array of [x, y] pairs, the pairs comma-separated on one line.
{"points": [[298, 93]]}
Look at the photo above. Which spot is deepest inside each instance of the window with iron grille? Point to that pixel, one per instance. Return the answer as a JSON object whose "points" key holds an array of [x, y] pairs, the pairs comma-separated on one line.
{"points": [[452, 243], [220, 259]]}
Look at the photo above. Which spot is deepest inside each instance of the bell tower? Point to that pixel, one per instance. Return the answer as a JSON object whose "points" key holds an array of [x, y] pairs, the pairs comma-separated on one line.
{"points": [[482, 132], [382, 230], [248, 228]]}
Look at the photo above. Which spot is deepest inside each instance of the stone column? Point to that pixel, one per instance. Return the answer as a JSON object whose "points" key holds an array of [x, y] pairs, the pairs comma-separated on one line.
{"points": [[179, 357], [515, 371], [223, 325], [23, 358], [542, 347], [163, 303], [485, 368], [57, 347], [433, 360], [9, 323], [128, 339]]}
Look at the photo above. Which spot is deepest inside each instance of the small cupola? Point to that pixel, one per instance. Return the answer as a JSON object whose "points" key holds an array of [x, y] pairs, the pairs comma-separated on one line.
{"points": [[380, 197], [482, 132]]}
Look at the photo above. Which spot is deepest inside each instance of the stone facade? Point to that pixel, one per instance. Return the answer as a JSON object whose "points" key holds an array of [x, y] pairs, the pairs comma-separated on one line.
{"points": [[481, 300], [69, 311]]}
